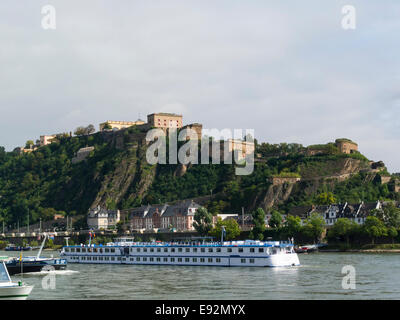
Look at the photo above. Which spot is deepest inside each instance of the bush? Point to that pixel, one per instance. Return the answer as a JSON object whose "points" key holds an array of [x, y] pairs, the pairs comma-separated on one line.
{"points": [[3, 244]]}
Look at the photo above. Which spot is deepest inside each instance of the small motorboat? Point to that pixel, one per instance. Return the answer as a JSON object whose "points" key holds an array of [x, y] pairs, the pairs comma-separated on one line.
{"points": [[306, 249], [11, 290], [34, 264]]}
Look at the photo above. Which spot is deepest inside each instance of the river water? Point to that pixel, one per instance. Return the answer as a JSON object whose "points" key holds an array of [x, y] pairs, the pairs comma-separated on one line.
{"points": [[319, 277]]}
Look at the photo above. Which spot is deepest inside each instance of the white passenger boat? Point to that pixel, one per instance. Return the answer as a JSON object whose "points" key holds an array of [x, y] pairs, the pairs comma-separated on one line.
{"points": [[10, 290], [247, 253]]}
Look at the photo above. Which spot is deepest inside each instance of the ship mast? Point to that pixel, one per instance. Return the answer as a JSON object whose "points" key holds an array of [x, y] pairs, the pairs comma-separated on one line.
{"points": [[41, 247]]}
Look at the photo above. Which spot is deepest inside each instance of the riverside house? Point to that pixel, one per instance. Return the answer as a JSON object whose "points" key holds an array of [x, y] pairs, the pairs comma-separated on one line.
{"points": [[164, 217], [355, 212]]}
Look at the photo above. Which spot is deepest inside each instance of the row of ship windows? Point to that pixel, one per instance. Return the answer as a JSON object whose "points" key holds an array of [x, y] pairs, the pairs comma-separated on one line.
{"points": [[107, 250], [151, 259]]}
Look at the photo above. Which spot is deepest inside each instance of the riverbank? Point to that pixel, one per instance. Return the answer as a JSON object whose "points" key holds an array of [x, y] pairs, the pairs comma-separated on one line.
{"points": [[369, 248], [363, 250]]}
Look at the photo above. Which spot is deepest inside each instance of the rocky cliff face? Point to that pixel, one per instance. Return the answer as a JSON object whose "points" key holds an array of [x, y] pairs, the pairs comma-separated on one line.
{"points": [[132, 175], [274, 195], [314, 175]]}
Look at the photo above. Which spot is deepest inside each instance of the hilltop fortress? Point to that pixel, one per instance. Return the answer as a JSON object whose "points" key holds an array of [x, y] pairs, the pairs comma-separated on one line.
{"points": [[167, 121]]}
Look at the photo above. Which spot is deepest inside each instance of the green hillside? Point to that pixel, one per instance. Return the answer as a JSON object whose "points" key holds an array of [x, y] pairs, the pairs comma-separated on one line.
{"points": [[116, 174]]}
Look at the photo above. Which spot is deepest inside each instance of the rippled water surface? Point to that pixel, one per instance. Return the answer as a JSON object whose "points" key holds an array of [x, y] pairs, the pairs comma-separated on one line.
{"points": [[319, 277]]}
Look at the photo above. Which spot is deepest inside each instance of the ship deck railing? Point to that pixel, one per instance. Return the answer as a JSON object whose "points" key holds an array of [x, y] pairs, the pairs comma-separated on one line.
{"points": [[280, 244]]}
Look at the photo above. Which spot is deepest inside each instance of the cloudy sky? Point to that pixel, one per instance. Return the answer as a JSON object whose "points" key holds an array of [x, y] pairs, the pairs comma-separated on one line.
{"points": [[286, 69]]}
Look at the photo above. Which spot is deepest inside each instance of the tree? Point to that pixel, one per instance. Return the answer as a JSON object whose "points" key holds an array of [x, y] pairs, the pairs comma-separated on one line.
{"points": [[231, 227], [292, 226], [259, 224], [343, 228], [391, 216], [374, 228], [90, 129], [325, 198], [276, 219], [84, 131], [203, 221], [80, 131], [120, 226], [392, 233], [29, 144], [315, 226]]}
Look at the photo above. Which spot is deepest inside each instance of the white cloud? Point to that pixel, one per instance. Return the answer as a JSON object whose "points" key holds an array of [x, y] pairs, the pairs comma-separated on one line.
{"points": [[287, 70]]}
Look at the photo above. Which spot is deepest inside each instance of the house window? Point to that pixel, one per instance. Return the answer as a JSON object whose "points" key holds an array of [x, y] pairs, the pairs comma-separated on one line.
{"points": [[165, 259], [179, 259], [210, 250], [158, 259], [172, 259], [260, 249], [165, 249], [194, 249], [187, 250], [194, 259], [202, 260], [158, 249], [172, 249], [187, 259], [240, 249], [179, 249], [229, 250], [210, 260], [203, 250], [251, 260], [243, 260], [251, 249], [218, 260], [138, 249], [218, 249]]}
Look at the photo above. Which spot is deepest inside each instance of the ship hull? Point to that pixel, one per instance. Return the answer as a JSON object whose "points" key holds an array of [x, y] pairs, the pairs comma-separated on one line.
{"points": [[233, 255], [15, 292], [14, 267]]}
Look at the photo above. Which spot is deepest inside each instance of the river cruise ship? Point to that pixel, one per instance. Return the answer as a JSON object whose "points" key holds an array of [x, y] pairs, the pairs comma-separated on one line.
{"points": [[247, 253]]}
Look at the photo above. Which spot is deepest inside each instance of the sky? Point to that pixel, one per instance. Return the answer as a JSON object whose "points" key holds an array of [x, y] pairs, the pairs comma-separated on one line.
{"points": [[287, 69]]}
